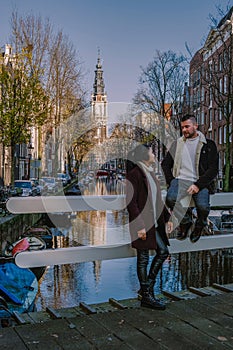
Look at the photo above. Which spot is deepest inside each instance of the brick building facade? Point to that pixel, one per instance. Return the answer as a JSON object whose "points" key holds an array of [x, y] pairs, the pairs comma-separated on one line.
{"points": [[211, 88]]}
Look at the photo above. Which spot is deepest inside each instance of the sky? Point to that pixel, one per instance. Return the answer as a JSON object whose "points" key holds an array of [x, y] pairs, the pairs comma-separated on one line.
{"points": [[127, 32]]}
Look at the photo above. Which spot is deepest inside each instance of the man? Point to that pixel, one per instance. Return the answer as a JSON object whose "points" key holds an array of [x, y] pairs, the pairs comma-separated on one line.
{"points": [[190, 168]]}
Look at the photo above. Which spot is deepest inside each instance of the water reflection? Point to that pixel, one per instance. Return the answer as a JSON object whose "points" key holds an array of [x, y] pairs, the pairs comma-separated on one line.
{"points": [[97, 281]]}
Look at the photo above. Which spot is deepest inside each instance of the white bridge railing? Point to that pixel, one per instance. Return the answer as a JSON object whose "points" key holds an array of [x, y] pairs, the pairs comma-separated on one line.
{"points": [[62, 204]]}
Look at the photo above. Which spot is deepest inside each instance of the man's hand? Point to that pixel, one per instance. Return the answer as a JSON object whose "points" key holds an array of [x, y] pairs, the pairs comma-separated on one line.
{"points": [[193, 189], [142, 234]]}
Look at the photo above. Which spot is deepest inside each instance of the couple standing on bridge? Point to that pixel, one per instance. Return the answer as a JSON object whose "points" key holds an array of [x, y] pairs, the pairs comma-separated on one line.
{"points": [[190, 167]]}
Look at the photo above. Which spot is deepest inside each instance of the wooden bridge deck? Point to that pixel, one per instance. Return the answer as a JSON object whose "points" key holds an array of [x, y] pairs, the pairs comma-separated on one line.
{"points": [[194, 319]]}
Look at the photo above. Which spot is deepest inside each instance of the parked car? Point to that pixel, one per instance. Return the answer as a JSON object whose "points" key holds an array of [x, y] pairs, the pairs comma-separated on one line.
{"points": [[74, 190], [26, 188], [64, 178], [101, 174], [41, 187], [36, 184], [50, 184]]}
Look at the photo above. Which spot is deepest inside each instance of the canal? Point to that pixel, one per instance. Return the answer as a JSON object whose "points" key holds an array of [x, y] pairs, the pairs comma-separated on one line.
{"points": [[97, 281]]}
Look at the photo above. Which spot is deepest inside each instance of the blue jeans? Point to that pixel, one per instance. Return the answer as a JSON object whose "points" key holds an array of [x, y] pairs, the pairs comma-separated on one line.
{"points": [[177, 191]]}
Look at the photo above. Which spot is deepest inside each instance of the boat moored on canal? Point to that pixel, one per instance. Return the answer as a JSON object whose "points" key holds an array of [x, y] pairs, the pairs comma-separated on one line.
{"points": [[18, 290]]}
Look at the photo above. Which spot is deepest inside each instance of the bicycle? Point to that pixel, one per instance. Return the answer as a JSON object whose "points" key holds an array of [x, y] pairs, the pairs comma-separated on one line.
{"points": [[3, 209]]}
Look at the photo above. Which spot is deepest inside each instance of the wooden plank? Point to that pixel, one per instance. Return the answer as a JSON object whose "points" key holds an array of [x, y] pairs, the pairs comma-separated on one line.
{"points": [[212, 291], [199, 291], [184, 295], [221, 200], [64, 204], [39, 316], [73, 255], [67, 335], [184, 330], [26, 317], [130, 335], [104, 307], [220, 304], [223, 287], [198, 323], [187, 313], [54, 334], [88, 309], [20, 319], [131, 303], [70, 312], [50, 257], [117, 304], [96, 334], [53, 313], [9, 339], [203, 307], [149, 323]]}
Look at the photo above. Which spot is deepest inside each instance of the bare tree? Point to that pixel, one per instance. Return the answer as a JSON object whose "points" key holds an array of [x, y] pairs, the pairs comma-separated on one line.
{"points": [[23, 102], [161, 89], [63, 86], [53, 59]]}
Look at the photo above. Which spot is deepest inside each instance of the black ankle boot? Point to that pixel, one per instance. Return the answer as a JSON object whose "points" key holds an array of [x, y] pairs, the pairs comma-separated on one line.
{"points": [[151, 291], [140, 294], [151, 287], [148, 301]]}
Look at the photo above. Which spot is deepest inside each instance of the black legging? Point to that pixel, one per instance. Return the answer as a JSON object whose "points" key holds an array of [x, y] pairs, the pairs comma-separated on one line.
{"points": [[162, 253]]}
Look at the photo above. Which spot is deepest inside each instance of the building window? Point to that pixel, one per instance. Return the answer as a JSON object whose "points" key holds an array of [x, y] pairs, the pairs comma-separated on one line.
{"points": [[202, 94], [229, 53], [225, 84], [220, 135], [202, 117], [215, 135], [225, 59], [211, 96], [220, 63], [210, 115], [198, 97], [215, 114], [219, 114], [220, 85]]}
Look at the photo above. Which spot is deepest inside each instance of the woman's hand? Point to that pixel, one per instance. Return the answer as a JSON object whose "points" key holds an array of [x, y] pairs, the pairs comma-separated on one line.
{"points": [[169, 227], [142, 234]]}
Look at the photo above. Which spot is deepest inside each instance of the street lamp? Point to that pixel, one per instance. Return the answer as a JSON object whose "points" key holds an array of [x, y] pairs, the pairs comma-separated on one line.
{"points": [[30, 148]]}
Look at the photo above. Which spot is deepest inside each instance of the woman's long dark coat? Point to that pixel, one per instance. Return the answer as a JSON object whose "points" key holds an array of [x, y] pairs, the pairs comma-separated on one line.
{"points": [[140, 209]]}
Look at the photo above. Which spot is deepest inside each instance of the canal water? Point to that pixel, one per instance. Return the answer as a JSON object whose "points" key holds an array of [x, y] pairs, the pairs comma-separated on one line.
{"points": [[92, 282]]}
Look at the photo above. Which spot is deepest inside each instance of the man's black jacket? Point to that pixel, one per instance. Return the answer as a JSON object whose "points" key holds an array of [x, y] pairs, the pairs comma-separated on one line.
{"points": [[208, 165]]}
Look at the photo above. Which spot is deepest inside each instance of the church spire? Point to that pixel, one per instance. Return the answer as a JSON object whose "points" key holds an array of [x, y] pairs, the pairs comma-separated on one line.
{"points": [[99, 103], [99, 80]]}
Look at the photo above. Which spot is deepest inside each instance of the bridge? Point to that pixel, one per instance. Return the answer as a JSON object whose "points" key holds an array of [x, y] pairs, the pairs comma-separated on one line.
{"points": [[62, 204]]}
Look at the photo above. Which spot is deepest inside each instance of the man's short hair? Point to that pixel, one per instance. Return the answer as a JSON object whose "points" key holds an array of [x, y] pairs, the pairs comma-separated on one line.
{"points": [[189, 116]]}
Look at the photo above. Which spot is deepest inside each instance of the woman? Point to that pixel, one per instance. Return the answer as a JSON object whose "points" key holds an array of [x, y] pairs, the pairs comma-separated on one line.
{"points": [[147, 217]]}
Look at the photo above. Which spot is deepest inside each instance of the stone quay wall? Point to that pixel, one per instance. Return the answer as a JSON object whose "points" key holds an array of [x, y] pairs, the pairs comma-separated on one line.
{"points": [[11, 227]]}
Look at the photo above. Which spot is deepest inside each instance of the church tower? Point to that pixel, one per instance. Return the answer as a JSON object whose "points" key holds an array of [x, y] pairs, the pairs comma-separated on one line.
{"points": [[99, 101]]}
